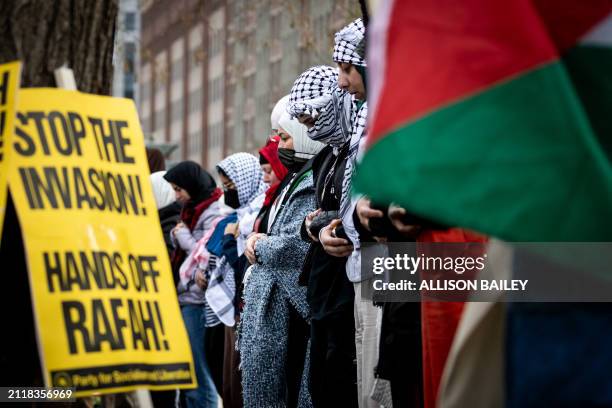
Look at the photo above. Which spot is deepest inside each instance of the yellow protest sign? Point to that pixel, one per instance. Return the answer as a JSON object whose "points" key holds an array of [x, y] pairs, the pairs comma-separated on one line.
{"points": [[105, 304], [9, 83]]}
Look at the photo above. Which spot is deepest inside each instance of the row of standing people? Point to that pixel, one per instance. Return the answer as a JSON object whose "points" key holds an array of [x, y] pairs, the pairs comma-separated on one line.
{"points": [[277, 274]]}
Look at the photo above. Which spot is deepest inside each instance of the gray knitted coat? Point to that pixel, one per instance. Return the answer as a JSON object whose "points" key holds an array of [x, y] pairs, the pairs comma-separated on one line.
{"points": [[271, 289]]}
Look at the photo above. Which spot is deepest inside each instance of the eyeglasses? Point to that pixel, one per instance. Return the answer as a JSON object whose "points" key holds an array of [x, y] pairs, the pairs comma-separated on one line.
{"points": [[229, 185]]}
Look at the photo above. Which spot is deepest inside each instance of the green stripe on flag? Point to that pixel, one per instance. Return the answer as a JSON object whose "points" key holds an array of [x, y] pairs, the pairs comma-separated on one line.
{"points": [[590, 68], [518, 161]]}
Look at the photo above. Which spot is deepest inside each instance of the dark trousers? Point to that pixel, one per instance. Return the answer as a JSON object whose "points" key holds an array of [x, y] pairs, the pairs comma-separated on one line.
{"points": [[232, 387], [163, 399], [400, 358], [296, 354], [333, 365], [214, 344]]}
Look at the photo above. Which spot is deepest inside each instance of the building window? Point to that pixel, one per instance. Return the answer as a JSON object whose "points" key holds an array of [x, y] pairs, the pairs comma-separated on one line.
{"points": [[215, 135], [130, 21], [128, 85], [177, 111], [219, 134], [212, 135], [249, 86], [215, 42], [195, 100], [160, 122], [195, 142], [177, 70], [145, 91], [275, 74], [145, 124], [249, 132], [145, 87], [197, 55], [130, 57], [274, 27], [215, 90]]}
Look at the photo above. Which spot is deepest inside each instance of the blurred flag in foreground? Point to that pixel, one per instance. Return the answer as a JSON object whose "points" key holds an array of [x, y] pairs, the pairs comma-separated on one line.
{"points": [[492, 115]]}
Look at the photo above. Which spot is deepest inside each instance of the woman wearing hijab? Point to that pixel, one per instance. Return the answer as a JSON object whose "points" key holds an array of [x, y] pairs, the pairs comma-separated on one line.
{"points": [[329, 112], [274, 173], [274, 326], [244, 190], [168, 208], [337, 116], [197, 191], [169, 211], [349, 54], [155, 159], [272, 165]]}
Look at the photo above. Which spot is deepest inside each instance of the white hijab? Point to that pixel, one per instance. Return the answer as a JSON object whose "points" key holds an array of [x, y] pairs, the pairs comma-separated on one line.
{"points": [[305, 147], [162, 190], [278, 110]]}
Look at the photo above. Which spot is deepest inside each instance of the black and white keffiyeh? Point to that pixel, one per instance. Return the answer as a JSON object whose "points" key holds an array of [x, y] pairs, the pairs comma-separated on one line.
{"points": [[339, 118], [220, 293], [333, 124], [349, 44], [358, 132], [244, 171], [311, 90], [339, 121], [348, 201], [316, 93]]}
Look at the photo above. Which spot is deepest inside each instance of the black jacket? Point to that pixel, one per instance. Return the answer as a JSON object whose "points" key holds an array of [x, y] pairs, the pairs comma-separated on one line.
{"points": [[169, 216], [329, 290]]}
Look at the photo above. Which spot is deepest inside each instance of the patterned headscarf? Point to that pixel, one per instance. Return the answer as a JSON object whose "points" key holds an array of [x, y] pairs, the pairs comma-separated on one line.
{"points": [[349, 44], [358, 132], [311, 90], [315, 93], [244, 171]]}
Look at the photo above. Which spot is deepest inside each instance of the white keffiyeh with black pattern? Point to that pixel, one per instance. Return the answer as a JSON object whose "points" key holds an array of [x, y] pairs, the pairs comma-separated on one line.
{"points": [[245, 172], [315, 93], [349, 44], [358, 132], [311, 90]]}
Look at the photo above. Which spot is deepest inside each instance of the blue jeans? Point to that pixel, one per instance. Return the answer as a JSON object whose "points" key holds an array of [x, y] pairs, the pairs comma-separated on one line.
{"points": [[205, 396]]}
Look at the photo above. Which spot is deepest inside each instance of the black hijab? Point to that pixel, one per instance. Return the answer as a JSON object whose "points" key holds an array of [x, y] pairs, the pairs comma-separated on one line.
{"points": [[194, 179]]}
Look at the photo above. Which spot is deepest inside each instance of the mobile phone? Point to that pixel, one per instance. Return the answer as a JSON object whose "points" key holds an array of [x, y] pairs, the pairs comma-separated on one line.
{"points": [[339, 232], [380, 227]]}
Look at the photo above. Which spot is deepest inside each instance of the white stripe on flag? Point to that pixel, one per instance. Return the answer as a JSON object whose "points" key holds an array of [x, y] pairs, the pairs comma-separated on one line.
{"points": [[377, 53], [600, 35]]}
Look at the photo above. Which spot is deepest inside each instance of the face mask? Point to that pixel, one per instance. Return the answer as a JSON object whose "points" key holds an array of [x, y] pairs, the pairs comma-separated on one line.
{"points": [[286, 156], [231, 198], [288, 159]]}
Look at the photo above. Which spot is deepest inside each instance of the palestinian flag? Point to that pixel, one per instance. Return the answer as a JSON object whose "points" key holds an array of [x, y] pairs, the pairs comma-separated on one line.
{"points": [[528, 355], [493, 115]]}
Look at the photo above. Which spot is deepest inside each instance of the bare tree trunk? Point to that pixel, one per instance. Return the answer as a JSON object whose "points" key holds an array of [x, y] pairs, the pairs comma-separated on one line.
{"points": [[45, 34]]}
